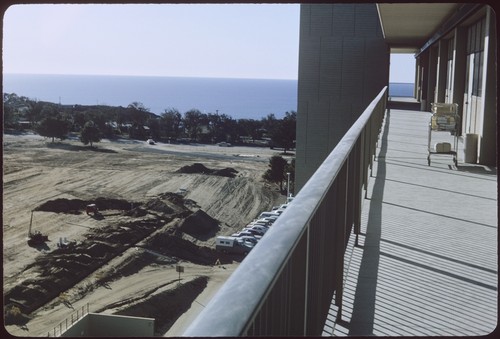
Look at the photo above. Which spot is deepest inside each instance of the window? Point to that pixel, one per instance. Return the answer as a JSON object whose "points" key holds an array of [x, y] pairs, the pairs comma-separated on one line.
{"points": [[475, 50]]}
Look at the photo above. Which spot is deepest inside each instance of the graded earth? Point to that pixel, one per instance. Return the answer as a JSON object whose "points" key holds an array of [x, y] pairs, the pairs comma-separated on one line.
{"points": [[159, 206]]}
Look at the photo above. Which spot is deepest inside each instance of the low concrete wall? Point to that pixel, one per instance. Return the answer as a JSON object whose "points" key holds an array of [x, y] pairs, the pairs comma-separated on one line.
{"points": [[106, 325]]}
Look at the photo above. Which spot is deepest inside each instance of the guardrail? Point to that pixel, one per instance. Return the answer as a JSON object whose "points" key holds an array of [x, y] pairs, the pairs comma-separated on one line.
{"points": [[286, 284], [69, 321]]}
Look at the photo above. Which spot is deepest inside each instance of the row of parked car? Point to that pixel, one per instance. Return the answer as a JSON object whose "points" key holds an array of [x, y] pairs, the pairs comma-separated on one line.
{"points": [[244, 240]]}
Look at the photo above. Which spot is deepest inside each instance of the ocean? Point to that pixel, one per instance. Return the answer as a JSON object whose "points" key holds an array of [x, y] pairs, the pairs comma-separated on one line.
{"points": [[400, 89], [238, 98]]}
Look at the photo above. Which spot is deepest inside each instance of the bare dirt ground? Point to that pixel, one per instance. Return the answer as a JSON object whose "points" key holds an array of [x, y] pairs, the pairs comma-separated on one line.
{"points": [[156, 213]]}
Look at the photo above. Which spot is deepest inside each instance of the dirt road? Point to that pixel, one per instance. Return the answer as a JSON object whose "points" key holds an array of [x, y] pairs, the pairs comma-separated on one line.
{"points": [[37, 172]]}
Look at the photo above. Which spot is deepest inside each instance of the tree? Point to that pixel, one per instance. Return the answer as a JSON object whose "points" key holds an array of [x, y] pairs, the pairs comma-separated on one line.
{"points": [[250, 128], [154, 128], [269, 123], [221, 128], [138, 113], [276, 172], [193, 119], [79, 120], [90, 133], [35, 113], [171, 121], [53, 127], [9, 116], [283, 134]]}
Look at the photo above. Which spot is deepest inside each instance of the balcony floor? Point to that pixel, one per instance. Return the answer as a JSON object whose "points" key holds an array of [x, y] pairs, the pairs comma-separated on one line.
{"points": [[427, 259]]}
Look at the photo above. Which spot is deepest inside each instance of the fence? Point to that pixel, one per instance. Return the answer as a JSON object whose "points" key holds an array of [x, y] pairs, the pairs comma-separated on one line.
{"points": [[286, 284], [69, 321]]}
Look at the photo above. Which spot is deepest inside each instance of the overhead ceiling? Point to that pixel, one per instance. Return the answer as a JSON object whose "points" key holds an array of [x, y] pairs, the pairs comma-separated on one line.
{"points": [[408, 26]]}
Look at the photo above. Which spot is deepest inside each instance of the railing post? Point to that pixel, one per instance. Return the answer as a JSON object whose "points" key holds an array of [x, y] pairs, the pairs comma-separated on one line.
{"points": [[340, 226], [358, 186], [306, 285], [365, 159]]}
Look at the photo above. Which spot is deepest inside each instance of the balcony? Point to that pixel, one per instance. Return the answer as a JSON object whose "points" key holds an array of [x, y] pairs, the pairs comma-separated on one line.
{"points": [[426, 260], [376, 243]]}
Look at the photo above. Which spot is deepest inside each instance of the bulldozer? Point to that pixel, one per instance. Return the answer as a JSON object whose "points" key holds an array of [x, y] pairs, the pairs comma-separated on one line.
{"points": [[35, 238], [93, 210]]}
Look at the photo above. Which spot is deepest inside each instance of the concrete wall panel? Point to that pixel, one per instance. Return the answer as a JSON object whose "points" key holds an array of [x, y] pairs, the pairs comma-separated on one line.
{"points": [[343, 65], [344, 23]]}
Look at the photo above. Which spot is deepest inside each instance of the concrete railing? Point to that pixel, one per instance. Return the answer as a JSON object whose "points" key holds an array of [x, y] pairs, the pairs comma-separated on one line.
{"points": [[285, 285]]}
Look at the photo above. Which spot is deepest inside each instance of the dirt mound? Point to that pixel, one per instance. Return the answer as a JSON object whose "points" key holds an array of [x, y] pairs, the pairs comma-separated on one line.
{"points": [[64, 267], [226, 172], [76, 206], [166, 307], [200, 225], [175, 246], [201, 169], [158, 205], [195, 168]]}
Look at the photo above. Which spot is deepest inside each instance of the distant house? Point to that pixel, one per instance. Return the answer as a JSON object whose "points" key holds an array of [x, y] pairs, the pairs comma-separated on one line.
{"points": [[24, 124]]}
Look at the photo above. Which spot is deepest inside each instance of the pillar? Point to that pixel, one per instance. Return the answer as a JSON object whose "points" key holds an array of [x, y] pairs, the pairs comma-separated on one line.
{"points": [[442, 65], [343, 65], [488, 144]]}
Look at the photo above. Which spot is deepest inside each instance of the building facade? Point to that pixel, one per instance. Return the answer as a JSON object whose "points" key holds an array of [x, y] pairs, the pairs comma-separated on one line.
{"points": [[344, 58], [460, 67], [343, 65]]}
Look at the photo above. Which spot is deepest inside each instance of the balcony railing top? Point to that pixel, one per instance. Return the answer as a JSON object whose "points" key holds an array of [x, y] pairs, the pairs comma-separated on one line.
{"points": [[235, 305]]}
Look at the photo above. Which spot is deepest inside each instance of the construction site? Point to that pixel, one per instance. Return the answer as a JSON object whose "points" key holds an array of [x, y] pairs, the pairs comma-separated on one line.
{"points": [[106, 227]]}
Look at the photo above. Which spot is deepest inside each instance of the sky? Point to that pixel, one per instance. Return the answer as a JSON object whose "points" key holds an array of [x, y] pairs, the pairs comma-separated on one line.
{"points": [[402, 68], [190, 40]]}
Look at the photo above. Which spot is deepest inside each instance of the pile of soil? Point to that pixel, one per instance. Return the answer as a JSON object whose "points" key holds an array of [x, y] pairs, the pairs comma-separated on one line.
{"points": [[200, 225], [62, 268], [76, 206], [174, 246], [201, 169], [167, 306]]}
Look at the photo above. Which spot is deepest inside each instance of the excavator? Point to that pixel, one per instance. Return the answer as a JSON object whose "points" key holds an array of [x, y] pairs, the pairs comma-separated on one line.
{"points": [[35, 238]]}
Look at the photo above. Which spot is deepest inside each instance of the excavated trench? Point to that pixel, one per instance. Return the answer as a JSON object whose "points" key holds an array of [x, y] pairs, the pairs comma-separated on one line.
{"points": [[58, 270]]}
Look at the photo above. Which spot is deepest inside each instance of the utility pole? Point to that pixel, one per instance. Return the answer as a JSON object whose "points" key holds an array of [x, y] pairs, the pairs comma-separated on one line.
{"points": [[287, 186]]}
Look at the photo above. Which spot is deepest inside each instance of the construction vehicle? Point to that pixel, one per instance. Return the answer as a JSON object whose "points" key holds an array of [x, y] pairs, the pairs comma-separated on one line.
{"points": [[35, 238], [92, 209]]}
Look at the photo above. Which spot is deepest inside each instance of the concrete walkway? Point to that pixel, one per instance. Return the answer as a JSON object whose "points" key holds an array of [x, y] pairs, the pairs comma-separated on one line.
{"points": [[426, 264]]}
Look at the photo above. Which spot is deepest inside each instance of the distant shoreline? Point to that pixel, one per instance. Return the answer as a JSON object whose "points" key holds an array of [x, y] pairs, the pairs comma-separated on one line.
{"points": [[240, 98], [237, 97]]}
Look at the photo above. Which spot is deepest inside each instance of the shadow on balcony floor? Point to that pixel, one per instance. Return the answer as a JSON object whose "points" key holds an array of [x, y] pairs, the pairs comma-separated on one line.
{"points": [[426, 264]]}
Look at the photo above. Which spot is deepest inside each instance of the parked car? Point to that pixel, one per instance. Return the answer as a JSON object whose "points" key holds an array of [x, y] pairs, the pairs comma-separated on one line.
{"points": [[244, 241], [268, 214], [246, 233], [260, 230], [250, 239], [261, 222], [280, 207], [270, 220]]}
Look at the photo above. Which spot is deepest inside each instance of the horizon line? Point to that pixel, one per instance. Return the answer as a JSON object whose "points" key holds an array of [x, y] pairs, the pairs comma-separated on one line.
{"points": [[149, 76], [167, 76]]}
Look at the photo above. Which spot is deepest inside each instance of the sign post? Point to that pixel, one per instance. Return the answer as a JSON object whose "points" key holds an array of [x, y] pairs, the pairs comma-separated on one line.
{"points": [[179, 269]]}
